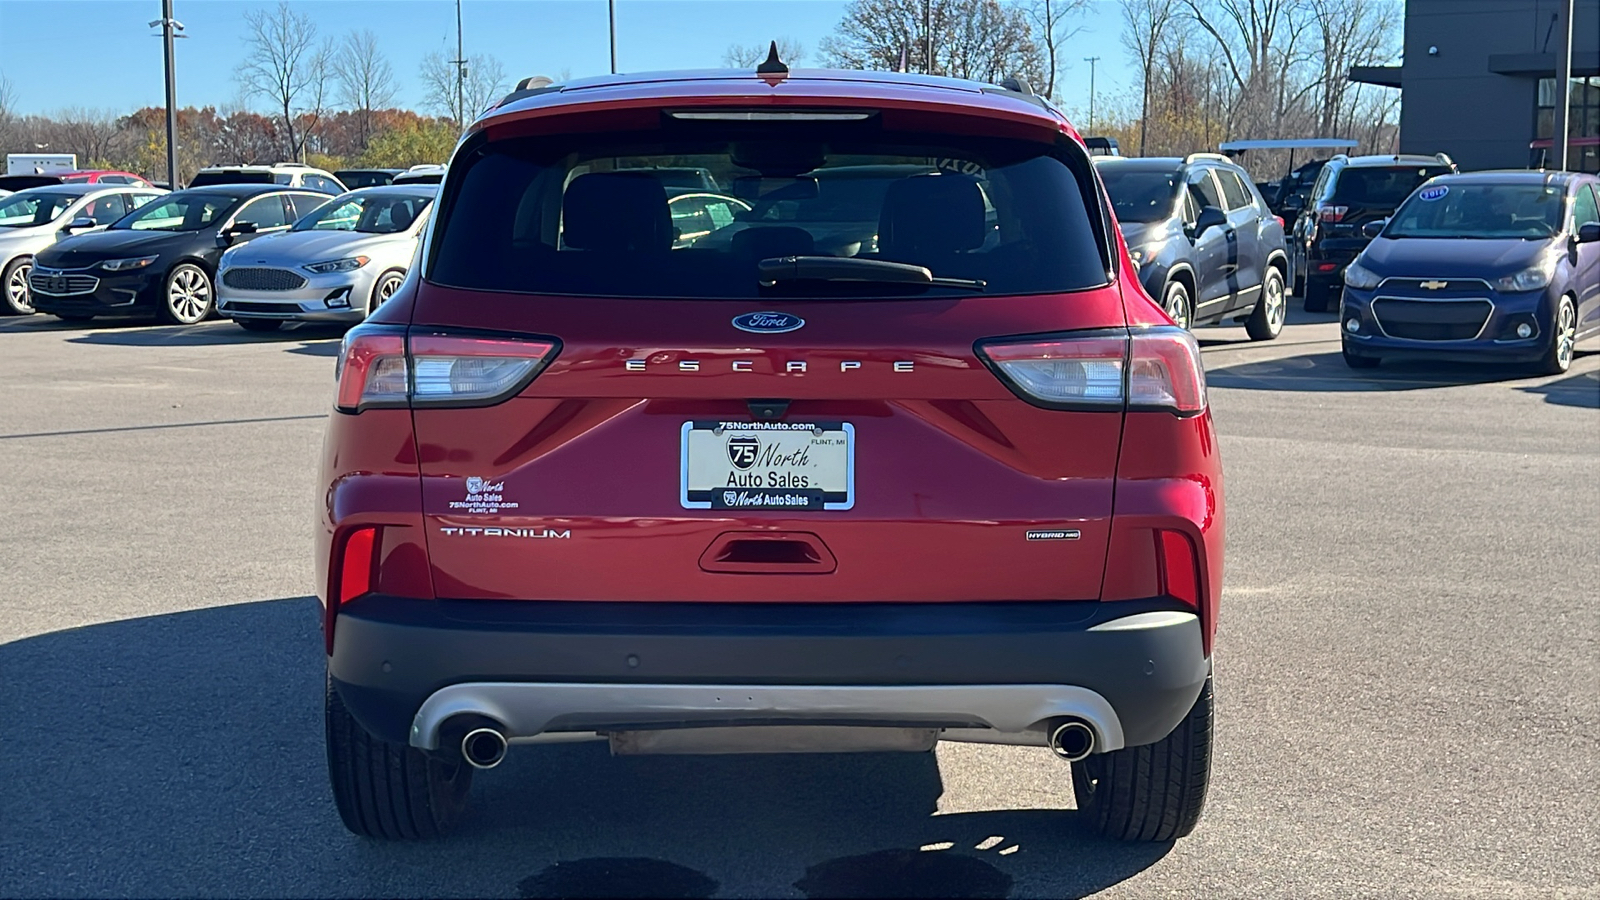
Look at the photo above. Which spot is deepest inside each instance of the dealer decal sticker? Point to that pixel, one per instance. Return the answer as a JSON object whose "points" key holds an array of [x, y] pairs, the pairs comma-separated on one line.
{"points": [[483, 497], [1433, 193]]}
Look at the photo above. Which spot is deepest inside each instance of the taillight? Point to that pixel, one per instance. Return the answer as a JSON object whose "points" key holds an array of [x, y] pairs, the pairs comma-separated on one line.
{"points": [[1154, 369], [1332, 213], [357, 574], [1180, 575], [382, 366]]}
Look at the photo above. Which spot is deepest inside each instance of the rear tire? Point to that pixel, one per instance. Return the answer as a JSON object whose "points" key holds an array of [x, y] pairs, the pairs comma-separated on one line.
{"points": [[258, 324], [386, 790], [1155, 792], [1266, 322], [1317, 295]]}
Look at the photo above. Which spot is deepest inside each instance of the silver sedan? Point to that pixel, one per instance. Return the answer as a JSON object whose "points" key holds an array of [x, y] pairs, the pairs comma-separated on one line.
{"points": [[337, 264]]}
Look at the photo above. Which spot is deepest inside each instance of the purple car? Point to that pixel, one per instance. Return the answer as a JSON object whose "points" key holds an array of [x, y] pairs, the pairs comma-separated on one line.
{"points": [[1480, 266]]}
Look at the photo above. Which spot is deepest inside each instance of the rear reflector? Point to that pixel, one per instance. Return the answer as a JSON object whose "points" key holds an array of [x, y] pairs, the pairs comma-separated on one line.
{"points": [[1158, 368], [381, 366], [1180, 577], [357, 574]]}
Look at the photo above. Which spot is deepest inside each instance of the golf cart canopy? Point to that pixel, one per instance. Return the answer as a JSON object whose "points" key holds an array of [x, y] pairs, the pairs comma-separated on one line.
{"points": [[1233, 147]]}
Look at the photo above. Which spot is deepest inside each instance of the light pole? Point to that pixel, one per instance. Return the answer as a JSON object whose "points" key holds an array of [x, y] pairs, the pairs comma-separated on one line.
{"points": [[169, 29], [611, 11], [461, 74], [1559, 128], [1091, 60]]}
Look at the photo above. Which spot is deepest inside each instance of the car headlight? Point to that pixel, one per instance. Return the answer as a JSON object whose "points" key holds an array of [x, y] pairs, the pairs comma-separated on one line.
{"points": [[327, 267], [123, 265], [1535, 277], [1360, 277], [1142, 255]]}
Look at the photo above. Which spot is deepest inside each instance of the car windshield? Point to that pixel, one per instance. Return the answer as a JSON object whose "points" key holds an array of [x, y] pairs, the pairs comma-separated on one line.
{"points": [[183, 211], [572, 215], [1484, 211], [1380, 186], [1140, 195], [367, 213], [34, 208]]}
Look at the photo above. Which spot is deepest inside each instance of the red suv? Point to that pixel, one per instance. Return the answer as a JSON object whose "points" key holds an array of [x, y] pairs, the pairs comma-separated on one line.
{"points": [[884, 447]]}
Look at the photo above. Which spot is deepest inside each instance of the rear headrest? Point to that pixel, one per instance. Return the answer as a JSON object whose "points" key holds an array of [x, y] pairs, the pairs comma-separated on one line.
{"points": [[616, 211], [925, 214], [773, 241]]}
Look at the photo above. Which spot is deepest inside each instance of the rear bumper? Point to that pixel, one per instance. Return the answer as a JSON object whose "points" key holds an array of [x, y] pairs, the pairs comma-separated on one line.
{"points": [[985, 671]]}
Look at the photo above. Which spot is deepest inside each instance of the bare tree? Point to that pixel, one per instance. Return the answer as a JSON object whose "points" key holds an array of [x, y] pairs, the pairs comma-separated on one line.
{"points": [[8, 111], [748, 56], [1146, 25], [1245, 33], [978, 39], [485, 81], [1350, 33], [1050, 18], [365, 78], [92, 134], [285, 64]]}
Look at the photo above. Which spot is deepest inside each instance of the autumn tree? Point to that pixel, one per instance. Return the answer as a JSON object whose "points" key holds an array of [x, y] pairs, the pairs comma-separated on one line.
{"points": [[285, 65]]}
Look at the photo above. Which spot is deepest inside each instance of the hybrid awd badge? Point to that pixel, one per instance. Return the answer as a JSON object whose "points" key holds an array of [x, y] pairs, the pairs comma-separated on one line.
{"points": [[768, 322]]}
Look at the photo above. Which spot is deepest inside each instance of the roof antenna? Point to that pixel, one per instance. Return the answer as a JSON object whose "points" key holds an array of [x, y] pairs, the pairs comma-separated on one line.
{"points": [[773, 65]]}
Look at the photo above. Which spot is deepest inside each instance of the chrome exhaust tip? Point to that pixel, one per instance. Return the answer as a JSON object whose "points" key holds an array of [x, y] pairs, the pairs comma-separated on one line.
{"points": [[1072, 740], [483, 748]]}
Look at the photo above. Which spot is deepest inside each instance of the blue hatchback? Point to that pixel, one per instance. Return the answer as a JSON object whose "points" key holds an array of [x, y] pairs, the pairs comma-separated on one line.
{"points": [[1480, 266]]}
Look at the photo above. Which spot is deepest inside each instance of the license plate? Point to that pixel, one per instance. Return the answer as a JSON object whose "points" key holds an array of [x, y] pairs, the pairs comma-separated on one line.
{"points": [[768, 465]]}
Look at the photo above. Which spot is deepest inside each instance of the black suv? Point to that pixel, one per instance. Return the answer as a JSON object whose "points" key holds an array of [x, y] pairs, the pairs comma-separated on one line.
{"points": [[1206, 245], [1350, 191]]}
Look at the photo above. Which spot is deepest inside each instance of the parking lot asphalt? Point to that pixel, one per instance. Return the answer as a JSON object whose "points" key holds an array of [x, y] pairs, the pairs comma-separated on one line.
{"points": [[1408, 662]]}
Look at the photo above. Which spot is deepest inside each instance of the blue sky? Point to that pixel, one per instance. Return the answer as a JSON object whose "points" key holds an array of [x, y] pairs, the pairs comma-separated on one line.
{"points": [[97, 53]]}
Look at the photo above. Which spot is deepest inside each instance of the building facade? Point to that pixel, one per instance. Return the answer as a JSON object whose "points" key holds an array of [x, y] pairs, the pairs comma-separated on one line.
{"points": [[1478, 81]]}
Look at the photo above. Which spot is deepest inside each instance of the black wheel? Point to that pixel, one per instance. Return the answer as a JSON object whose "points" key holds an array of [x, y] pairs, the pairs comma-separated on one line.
{"points": [[1563, 331], [1356, 361], [187, 297], [1175, 300], [384, 288], [1317, 295], [258, 324], [74, 317], [1155, 792], [390, 791], [16, 299], [1266, 322]]}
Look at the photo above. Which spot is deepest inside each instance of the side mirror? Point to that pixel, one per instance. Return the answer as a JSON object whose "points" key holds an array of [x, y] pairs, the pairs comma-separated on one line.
{"points": [[81, 223], [1589, 233], [1373, 229], [1294, 203], [1210, 217], [243, 228]]}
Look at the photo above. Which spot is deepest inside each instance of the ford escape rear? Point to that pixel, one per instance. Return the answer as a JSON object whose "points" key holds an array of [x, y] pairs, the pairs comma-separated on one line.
{"points": [[883, 458]]}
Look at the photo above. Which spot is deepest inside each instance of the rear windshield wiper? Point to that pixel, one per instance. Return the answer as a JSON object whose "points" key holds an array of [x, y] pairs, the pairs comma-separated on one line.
{"points": [[838, 268]]}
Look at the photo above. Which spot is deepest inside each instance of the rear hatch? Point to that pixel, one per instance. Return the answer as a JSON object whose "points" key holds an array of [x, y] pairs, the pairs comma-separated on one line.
{"points": [[1363, 194], [787, 411]]}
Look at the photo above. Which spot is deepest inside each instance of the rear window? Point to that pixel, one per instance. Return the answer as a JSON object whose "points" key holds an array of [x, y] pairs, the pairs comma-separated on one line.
{"points": [[592, 215], [202, 179], [1383, 186]]}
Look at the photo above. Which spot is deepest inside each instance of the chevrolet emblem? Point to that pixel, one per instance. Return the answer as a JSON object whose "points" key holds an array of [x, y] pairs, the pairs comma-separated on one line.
{"points": [[1435, 285]]}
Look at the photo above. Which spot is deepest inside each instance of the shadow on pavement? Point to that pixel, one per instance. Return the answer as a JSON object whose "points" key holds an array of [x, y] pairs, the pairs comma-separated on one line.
{"points": [[1581, 389], [182, 754], [205, 334], [1328, 372]]}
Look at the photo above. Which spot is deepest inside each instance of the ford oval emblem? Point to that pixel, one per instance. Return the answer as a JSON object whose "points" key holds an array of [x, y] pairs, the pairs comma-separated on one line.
{"points": [[768, 322]]}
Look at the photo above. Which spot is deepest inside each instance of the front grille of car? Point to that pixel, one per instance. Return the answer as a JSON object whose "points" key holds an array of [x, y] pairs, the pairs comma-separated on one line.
{"points": [[248, 306], [1435, 287], [251, 279], [1431, 320], [61, 284]]}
